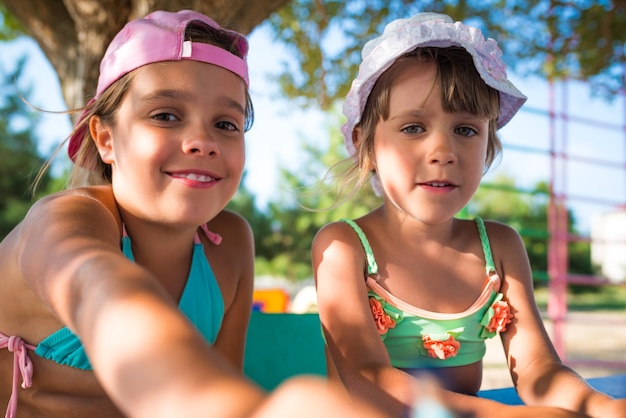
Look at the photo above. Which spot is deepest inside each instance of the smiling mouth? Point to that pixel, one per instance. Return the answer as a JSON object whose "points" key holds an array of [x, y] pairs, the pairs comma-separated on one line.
{"points": [[202, 178], [438, 184]]}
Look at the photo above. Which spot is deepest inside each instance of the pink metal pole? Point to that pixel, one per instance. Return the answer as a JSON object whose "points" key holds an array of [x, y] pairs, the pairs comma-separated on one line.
{"points": [[557, 247]]}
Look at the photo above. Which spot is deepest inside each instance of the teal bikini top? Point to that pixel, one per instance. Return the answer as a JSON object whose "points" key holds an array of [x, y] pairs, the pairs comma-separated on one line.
{"points": [[416, 338], [201, 302]]}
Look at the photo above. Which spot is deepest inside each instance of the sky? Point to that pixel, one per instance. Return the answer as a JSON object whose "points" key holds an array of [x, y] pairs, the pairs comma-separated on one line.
{"points": [[279, 128]]}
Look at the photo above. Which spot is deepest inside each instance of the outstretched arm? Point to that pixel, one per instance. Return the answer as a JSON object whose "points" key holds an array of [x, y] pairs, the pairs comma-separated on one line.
{"points": [[148, 357]]}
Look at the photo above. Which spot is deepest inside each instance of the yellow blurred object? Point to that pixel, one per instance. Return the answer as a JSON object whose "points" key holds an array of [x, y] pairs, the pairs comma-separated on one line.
{"points": [[270, 300]]}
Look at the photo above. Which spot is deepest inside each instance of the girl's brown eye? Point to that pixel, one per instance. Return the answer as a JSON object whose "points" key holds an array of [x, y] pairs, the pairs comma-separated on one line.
{"points": [[166, 117], [228, 126]]}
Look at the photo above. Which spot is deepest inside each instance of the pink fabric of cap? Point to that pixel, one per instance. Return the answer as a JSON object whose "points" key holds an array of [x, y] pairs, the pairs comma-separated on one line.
{"points": [[160, 36], [428, 29]]}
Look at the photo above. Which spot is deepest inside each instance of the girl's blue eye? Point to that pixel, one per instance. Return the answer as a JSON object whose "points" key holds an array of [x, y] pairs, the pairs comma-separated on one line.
{"points": [[412, 129], [466, 131]]}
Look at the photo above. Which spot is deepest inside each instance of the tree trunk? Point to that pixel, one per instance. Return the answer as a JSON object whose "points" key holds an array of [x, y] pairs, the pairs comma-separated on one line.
{"points": [[73, 34]]}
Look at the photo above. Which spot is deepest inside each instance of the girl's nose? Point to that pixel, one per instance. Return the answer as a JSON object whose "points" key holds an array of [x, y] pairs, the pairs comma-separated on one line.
{"points": [[201, 144], [442, 150]]}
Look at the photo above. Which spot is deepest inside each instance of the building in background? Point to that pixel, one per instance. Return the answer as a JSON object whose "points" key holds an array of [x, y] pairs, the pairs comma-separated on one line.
{"points": [[608, 244]]}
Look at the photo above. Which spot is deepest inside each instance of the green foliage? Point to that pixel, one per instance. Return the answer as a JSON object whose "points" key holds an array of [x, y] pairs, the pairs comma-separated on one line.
{"points": [[588, 298], [587, 42], [9, 27], [307, 204], [18, 152], [553, 39]]}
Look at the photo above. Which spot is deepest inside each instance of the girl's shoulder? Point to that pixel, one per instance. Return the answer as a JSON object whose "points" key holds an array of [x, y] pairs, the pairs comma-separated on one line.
{"points": [[356, 233], [339, 244], [228, 222], [96, 194], [337, 230], [79, 206], [506, 244], [235, 234], [500, 232]]}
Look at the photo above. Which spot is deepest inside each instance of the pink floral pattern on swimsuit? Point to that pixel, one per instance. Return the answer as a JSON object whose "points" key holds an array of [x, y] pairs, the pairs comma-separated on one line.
{"points": [[441, 349], [497, 317], [501, 318], [382, 320]]}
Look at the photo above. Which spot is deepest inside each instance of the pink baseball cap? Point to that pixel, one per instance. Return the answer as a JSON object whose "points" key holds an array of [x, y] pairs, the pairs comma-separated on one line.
{"points": [[428, 29], [160, 36]]}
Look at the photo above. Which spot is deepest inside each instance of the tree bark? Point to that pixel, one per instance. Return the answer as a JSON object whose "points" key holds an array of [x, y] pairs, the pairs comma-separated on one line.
{"points": [[73, 34]]}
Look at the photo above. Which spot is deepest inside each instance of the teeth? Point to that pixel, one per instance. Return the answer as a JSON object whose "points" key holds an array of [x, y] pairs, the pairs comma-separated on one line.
{"points": [[196, 177], [438, 184], [199, 177]]}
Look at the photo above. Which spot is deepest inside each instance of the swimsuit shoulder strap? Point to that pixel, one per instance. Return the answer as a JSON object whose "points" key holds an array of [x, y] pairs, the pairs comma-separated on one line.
{"points": [[372, 267], [484, 240]]}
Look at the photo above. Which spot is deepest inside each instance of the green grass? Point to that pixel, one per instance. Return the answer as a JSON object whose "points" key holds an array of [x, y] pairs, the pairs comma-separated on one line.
{"points": [[602, 298]]}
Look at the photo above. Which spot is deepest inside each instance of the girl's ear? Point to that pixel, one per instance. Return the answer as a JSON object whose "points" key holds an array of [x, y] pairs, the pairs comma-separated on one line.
{"points": [[356, 137], [366, 158], [102, 137]]}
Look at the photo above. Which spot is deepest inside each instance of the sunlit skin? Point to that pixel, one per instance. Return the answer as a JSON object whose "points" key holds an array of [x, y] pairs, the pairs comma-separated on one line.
{"points": [[176, 149], [165, 132], [430, 163], [177, 119]]}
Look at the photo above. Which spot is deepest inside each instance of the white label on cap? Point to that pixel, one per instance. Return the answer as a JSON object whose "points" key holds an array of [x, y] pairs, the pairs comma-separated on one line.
{"points": [[187, 49]]}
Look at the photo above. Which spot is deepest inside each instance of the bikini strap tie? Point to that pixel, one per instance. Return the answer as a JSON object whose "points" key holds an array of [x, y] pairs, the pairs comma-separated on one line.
{"points": [[212, 236], [21, 365]]}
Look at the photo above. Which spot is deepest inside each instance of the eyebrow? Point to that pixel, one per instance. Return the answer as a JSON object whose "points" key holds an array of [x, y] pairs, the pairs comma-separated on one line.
{"points": [[232, 104], [408, 113], [167, 94], [225, 101], [420, 113]]}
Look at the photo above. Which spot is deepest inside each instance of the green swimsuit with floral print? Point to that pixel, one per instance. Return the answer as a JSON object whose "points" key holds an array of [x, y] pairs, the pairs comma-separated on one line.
{"points": [[420, 339]]}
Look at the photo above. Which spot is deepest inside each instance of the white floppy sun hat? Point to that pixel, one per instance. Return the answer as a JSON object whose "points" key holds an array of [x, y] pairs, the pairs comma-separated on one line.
{"points": [[428, 30]]}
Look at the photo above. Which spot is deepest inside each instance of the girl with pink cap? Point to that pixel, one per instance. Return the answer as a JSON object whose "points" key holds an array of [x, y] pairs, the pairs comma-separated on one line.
{"points": [[408, 291], [130, 292]]}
